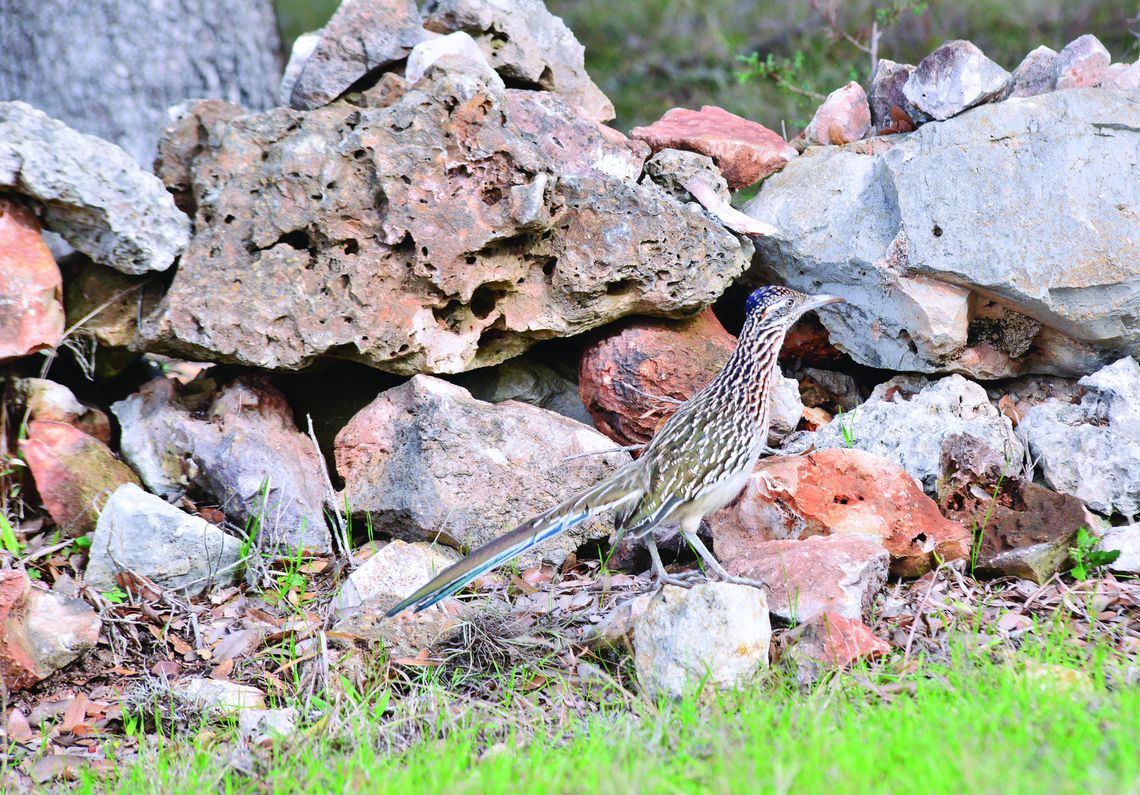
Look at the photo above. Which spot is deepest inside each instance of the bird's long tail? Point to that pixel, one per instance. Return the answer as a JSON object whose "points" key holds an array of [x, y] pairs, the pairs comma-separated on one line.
{"points": [[619, 489]]}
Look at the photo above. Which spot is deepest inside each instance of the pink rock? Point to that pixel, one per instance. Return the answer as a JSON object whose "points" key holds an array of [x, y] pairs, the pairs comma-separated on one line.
{"points": [[74, 473], [832, 641], [743, 150], [805, 579], [31, 310], [841, 492], [40, 631], [1123, 77], [1082, 63], [845, 116]]}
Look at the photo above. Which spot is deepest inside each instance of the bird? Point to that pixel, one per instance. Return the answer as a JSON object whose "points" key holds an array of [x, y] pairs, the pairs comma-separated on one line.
{"points": [[697, 462]]}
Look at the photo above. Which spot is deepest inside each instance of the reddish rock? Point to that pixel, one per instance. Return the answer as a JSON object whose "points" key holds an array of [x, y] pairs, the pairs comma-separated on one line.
{"points": [[808, 342], [839, 491], [31, 312], [1122, 77], [47, 400], [743, 150], [74, 473], [40, 631], [830, 642], [805, 579], [669, 359], [845, 116], [1083, 63]]}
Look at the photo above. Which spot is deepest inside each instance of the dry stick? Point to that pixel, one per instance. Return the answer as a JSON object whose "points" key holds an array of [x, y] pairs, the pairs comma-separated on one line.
{"points": [[918, 614], [339, 521]]}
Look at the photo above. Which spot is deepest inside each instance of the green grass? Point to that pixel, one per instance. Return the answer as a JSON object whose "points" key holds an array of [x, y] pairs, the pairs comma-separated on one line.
{"points": [[980, 723]]}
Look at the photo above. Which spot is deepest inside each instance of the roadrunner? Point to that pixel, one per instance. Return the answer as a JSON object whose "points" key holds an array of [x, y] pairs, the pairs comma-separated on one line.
{"points": [[696, 463]]}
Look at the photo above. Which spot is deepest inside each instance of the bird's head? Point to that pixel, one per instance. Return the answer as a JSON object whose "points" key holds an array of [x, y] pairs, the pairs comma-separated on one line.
{"points": [[774, 305]]}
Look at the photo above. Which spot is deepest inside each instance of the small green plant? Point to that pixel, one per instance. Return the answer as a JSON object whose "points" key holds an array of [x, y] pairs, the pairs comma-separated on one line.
{"points": [[979, 530], [1086, 557], [115, 596], [847, 427], [8, 536]]}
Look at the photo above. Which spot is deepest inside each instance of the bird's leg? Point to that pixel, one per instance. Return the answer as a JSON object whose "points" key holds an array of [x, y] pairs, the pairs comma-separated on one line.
{"points": [[659, 573], [690, 535]]}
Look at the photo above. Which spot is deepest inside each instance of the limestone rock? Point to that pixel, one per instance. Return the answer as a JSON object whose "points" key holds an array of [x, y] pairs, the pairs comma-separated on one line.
{"points": [[528, 381], [237, 442], [1092, 450], [31, 313], [453, 45], [218, 696], [74, 473], [714, 632], [887, 92], [744, 151], [92, 192], [262, 726], [454, 226], [429, 462], [144, 534], [120, 300], [927, 284], [1122, 77], [820, 574], [841, 492], [1034, 75], [303, 47], [53, 402], [40, 631], [843, 117], [831, 642], [955, 77], [1126, 540], [1081, 64], [361, 36], [525, 44]]}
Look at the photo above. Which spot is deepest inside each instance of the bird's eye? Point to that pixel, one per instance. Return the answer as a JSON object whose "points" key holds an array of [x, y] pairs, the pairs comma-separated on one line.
{"points": [[790, 303]]}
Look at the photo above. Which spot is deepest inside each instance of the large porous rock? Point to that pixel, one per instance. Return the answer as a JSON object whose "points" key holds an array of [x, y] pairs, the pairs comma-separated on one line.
{"points": [[807, 578], [237, 442], [744, 151], [1034, 75], [31, 312], [845, 116], [428, 462], [1092, 450], [90, 191], [905, 230], [953, 78], [841, 492], [1082, 63], [40, 631], [1020, 529], [74, 473], [362, 35], [714, 633], [528, 381], [448, 230], [907, 419], [47, 400], [633, 378], [527, 45], [140, 533], [112, 69], [393, 573]]}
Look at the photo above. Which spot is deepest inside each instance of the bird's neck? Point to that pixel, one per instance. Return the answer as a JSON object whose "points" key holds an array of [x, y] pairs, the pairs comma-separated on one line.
{"points": [[747, 376]]}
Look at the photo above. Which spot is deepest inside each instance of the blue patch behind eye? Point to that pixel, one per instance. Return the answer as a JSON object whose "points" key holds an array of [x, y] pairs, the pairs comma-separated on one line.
{"points": [[759, 298]]}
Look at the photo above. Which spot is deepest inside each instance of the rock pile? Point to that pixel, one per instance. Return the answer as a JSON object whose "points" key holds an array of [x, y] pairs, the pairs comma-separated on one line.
{"points": [[439, 195]]}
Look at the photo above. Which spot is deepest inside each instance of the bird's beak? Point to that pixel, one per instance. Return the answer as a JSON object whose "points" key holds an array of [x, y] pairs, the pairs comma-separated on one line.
{"points": [[816, 301]]}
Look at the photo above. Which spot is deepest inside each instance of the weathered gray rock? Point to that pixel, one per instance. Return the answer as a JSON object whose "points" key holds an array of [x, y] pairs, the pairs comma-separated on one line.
{"points": [[111, 69], [1122, 77], [672, 168], [90, 191], [453, 45], [1081, 64], [786, 408], [429, 462], [887, 92], [361, 36], [141, 533], [1034, 75], [955, 77], [218, 696], [260, 726], [525, 43], [907, 419], [1126, 540], [1092, 450], [303, 47], [53, 402], [717, 633], [238, 443], [931, 284], [527, 381], [453, 227]]}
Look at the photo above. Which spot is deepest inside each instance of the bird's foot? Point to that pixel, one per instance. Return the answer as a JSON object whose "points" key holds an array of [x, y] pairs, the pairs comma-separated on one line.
{"points": [[686, 579], [743, 581]]}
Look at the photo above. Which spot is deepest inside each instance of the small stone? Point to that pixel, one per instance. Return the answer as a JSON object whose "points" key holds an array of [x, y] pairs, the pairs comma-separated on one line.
{"points": [[820, 574], [91, 191], [74, 473], [40, 631], [218, 696], [1034, 75], [142, 533], [261, 726], [887, 92], [745, 151], [715, 633], [31, 312], [392, 573], [616, 626], [843, 117], [1126, 540], [1081, 64], [528, 381], [831, 642], [672, 169], [841, 492], [955, 77], [1122, 77], [53, 402], [453, 45], [362, 35], [303, 47]]}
